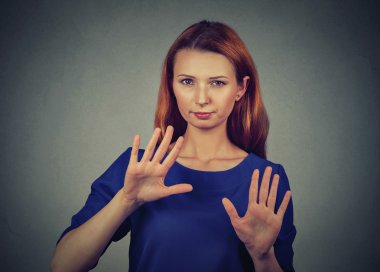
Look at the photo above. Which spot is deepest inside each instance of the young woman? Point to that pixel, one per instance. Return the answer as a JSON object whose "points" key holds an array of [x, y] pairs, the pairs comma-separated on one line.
{"points": [[202, 196]]}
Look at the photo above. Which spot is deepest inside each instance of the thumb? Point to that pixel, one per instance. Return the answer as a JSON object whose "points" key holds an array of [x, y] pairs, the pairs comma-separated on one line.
{"points": [[179, 189], [230, 209]]}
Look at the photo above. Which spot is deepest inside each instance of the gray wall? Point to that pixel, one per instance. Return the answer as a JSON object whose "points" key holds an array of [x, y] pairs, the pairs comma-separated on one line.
{"points": [[78, 80]]}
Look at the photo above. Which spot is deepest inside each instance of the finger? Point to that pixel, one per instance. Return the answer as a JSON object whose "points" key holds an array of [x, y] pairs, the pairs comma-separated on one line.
{"points": [[273, 192], [179, 189], [284, 204], [151, 145], [170, 159], [253, 188], [164, 144], [264, 186], [230, 209], [135, 150]]}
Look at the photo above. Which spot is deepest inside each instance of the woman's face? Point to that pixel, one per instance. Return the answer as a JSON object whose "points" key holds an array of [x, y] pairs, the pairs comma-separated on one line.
{"points": [[205, 82]]}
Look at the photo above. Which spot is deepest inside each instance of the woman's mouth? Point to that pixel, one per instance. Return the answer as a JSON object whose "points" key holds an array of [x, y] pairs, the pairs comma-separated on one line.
{"points": [[202, 115]]}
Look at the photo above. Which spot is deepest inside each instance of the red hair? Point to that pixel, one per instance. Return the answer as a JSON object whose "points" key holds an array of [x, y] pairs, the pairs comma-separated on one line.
{"points": [[248, 124]]}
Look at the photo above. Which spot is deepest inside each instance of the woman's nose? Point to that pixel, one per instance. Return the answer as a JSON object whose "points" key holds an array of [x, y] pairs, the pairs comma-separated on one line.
{"points": [[202, 96]]}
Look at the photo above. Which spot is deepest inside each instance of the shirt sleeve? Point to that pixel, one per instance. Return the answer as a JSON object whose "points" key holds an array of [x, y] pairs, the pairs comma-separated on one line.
{"points": [[103, 189], [283, 247]]}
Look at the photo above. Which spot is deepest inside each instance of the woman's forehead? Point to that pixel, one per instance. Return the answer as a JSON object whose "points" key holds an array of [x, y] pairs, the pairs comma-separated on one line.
{"points": [[193, 62]]}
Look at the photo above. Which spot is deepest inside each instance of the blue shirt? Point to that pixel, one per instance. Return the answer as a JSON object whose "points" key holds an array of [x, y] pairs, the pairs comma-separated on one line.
{"points": [[191, 231]]}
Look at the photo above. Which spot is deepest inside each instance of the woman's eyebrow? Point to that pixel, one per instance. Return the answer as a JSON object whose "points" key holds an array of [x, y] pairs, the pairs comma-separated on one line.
{"points": [[184, 75], [215, 77]]}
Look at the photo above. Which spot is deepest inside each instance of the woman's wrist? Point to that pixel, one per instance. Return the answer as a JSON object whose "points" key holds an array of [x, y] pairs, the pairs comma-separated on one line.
{"points": [[265, 261], [126, 201], [261, 256]]}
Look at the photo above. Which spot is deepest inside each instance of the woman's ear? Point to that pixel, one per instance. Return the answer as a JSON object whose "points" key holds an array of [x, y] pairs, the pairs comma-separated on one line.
{"points": [[242, 88]]}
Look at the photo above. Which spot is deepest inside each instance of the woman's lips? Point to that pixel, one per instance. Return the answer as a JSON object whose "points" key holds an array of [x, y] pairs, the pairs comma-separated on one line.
{"points": [[202, 115]]}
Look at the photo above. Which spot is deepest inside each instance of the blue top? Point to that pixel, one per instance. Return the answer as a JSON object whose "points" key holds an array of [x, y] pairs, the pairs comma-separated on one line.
{"points": [[191, 231]]}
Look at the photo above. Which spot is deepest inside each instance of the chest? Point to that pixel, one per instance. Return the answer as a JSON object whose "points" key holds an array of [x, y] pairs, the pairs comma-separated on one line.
{"points": [[191, 218], [190, 232], [211, 165]]}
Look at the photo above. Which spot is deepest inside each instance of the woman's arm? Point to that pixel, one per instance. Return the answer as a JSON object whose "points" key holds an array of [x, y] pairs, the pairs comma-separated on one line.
{"points": [[266, 263], [81, 248]]}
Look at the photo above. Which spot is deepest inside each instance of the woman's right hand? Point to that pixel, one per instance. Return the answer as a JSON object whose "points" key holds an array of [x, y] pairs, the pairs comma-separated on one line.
{"points": [[144, 179]]}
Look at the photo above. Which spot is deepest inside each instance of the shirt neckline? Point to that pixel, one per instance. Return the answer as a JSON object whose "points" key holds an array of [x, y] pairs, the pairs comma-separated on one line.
{"points": [[196, 171], [209, 183]]}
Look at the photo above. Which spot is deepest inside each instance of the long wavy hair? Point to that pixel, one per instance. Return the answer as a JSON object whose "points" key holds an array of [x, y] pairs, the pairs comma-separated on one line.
{"points": [[248, 123]]}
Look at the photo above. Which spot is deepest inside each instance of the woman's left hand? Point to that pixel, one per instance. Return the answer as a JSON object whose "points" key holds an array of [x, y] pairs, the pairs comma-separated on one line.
{"points": [[259, 227]]}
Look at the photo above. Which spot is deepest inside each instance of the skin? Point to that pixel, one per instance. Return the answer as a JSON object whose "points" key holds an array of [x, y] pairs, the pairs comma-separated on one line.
{"points": [[204, 146]]}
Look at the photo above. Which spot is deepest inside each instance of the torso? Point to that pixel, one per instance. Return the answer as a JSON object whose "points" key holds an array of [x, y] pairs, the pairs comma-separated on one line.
{"points": [[217, 164]]}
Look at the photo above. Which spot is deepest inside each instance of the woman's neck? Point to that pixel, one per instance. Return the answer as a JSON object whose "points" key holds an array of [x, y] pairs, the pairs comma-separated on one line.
{"points": [[206, 145]]}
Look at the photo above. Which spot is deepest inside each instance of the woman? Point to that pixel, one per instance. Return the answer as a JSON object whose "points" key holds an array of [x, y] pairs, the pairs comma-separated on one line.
{"points": [[201, 196]]}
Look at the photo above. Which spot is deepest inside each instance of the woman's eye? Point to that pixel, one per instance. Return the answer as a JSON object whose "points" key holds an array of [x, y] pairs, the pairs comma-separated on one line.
{"points": [[187, 81], [218, 83]]}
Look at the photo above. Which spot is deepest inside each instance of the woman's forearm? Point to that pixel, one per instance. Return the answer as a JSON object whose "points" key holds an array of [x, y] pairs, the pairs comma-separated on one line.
{"points": [[82, 247], [266, 263]]}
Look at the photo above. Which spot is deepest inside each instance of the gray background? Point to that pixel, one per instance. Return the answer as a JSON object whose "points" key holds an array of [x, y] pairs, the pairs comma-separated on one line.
{"points": [[79, 79]]}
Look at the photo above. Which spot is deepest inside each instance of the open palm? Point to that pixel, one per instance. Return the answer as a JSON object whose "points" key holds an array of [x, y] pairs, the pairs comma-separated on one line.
{"points": [[144, 179], [259, 227]]}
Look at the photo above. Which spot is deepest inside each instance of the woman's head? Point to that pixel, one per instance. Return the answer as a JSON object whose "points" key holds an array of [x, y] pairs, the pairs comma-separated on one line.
{"points": [[247, 125], [205, 88]]}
